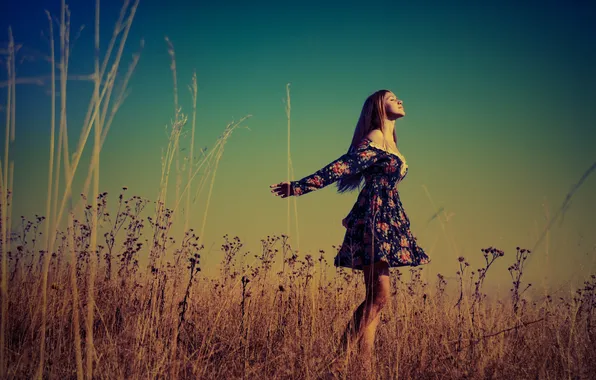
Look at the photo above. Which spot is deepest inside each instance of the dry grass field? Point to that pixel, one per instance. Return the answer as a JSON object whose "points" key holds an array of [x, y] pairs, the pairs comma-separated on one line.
{"points": [[253, 322]]}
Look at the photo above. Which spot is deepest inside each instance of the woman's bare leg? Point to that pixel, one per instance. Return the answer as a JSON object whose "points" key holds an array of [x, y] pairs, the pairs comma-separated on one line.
{"points": [[367, 339], [362, 327], [356, 325], [379, 286]]}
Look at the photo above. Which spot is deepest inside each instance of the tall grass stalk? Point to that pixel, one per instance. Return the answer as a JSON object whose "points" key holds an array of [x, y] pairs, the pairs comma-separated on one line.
{"points": [[193, 92], [94, 120], [176, 113], [122, 26], [75, 297], [288, 110], [547, 247], [50, 179], [90, 351], [6, 185], [291, 171], [220, 149]]}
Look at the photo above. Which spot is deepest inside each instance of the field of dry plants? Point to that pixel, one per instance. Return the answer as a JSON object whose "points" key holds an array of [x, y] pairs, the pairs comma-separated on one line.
{"points": [[97, 291], [251, 321]]}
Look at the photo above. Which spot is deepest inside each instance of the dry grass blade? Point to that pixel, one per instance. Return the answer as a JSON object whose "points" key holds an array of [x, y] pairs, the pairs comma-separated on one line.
{"points": [[193, 92], [43, 79], [75, 298], [214, 154], [223, 139], [291, 170], [6, 191], [95, 120]]}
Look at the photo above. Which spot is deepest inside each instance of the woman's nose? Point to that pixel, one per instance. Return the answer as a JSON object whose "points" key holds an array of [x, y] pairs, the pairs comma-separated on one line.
{"points": [[400, 102]]}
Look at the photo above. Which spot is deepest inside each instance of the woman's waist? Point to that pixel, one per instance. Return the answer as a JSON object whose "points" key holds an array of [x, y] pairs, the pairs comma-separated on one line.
{"points": [[380, 185]]}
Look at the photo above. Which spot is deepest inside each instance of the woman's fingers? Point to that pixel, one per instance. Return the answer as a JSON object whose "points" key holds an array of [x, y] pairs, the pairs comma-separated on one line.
{"points": [[275, 189], [280, 189]]}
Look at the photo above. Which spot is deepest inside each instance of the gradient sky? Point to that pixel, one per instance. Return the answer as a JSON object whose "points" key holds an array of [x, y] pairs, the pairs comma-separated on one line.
{"points": [[498, 128]]}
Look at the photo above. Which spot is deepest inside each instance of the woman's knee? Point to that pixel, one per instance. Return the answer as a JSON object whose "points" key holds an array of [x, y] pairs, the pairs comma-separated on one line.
{"points": [[378, 286], [382, 294]]}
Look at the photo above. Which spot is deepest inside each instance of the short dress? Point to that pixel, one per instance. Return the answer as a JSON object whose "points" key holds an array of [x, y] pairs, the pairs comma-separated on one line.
{"points": [[377, 227]]}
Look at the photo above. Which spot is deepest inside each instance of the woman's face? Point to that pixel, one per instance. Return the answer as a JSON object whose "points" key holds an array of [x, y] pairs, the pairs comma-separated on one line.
{"points": [[394, 108]]}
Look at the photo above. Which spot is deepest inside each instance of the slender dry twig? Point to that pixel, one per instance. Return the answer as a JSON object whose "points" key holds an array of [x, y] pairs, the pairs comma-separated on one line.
{"points": [[75, 298], [288, 110], [41, 80], [172, 54], [213, 154], [193, 92], [115, 107], [6, 186], [475, 341], [90, 349], [291, 171], [227, 133], [95, 119], [50, 230]]}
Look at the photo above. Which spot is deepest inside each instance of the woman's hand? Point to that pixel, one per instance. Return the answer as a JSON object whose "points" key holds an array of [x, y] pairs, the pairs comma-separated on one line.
{"points": [[281, 189]]}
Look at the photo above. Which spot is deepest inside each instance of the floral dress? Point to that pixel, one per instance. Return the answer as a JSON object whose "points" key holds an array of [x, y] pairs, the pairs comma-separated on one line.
{"points": [[377, 227]]}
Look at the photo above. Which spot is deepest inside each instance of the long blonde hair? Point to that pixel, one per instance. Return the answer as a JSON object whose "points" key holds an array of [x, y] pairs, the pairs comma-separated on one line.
{"points": [[371, 118]]}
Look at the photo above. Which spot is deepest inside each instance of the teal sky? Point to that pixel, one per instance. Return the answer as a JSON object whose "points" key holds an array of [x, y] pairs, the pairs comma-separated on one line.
{"points": [[499, 117]]}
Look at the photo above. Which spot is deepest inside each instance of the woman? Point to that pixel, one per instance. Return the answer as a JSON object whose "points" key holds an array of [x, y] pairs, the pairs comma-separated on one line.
{"points": [[378, 232]]}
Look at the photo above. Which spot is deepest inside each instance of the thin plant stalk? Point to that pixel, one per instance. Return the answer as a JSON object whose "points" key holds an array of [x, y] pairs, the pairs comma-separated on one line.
{"points": [[90, 108], [193, 92], [49, 224], [50, 227], [111, 77], [40, 80], [288, 110], [69, 172], [227, 133], [6, 185], [213, 154], [90, 350], [62, 134], [117, 30], [87, 130], [291, 170], [218, 157], [115, 107], [75, 298], [5, 244], [52, 121], [547, 266], [172, 54], [50, 179], [206, 160]]}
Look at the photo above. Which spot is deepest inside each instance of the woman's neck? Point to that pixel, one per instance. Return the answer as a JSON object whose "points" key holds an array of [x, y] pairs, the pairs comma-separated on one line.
{"points": [[387, 129]]}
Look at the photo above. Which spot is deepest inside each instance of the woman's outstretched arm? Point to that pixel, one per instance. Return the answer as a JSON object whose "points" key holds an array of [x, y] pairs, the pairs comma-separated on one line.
{"points": [[348, 164]]}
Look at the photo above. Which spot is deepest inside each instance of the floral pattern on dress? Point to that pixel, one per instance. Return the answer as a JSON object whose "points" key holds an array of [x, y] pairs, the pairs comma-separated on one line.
{"points": [[377, 227]]}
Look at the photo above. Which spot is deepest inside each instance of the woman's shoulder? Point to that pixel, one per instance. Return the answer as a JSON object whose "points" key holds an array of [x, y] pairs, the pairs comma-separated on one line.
{"points": [[375, 136]]}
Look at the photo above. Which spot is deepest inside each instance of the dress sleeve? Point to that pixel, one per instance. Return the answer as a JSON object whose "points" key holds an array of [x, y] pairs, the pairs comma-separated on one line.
{"points": [[350, 163]]}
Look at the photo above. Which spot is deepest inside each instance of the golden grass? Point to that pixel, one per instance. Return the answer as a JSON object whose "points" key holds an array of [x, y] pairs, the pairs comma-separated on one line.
{"points": [[251, 321]]}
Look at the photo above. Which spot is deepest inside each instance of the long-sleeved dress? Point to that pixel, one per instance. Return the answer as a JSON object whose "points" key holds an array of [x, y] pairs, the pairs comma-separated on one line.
{"points": [[377, 227]]}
